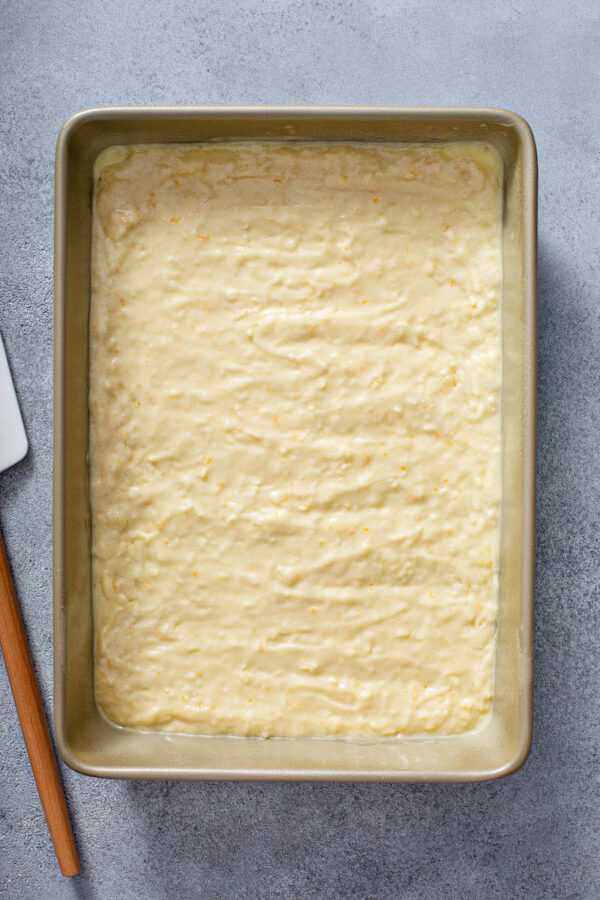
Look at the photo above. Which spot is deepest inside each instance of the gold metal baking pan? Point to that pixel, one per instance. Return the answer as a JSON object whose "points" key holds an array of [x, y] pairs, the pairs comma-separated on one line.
{"points": [[86, 740]]}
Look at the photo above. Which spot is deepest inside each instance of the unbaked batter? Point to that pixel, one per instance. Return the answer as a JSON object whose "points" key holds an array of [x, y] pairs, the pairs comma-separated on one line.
{"points": [[295, 439]]}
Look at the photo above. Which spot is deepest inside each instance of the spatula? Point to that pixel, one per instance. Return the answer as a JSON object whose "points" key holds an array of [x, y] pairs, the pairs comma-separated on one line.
{"points": [[13, 447]]}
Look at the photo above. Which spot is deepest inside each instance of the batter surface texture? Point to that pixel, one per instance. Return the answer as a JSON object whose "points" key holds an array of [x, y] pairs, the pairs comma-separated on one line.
{"points": [[295, 437]]}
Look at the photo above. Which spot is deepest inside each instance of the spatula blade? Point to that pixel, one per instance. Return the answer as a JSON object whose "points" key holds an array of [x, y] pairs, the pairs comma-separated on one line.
{"points": [[13, 440]]}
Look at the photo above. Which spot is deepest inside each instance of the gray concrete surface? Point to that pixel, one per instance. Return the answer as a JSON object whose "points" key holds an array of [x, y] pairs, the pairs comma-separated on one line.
{"points": [[534, 834]]}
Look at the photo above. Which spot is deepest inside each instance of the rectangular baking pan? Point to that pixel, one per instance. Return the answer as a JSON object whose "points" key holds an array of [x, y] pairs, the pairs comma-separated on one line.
{"points": [[86, 740]]}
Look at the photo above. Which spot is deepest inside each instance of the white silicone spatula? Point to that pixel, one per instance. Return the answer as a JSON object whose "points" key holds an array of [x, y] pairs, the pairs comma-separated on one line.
{"points": [[13, 447], [13, 440]]}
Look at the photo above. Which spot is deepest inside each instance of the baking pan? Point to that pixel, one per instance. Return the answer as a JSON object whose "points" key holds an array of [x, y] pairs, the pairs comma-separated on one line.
{"points": [[86, 740]]}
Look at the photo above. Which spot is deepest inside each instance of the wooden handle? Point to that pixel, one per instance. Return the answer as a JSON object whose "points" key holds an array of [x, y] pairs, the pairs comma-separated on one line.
{"points": [[33, 722]]}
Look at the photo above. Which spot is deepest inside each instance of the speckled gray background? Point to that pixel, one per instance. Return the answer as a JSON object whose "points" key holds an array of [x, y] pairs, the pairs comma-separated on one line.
{"points": [[534, 834]]}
